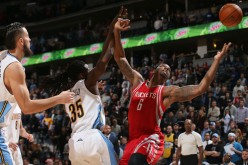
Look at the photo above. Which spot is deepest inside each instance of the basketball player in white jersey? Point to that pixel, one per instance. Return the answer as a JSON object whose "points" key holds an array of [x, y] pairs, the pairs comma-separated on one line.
{"points": [[87, 143], [13, 86], [14, 130]]}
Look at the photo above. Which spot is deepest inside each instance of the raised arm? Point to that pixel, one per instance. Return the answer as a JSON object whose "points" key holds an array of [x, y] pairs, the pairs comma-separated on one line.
{"points": [[107, 53], [180, 94], [14, 79], [132, 75]]}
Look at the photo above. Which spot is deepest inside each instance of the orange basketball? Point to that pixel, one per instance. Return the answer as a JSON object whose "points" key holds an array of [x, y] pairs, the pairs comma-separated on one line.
{"points": [[230, 15]]}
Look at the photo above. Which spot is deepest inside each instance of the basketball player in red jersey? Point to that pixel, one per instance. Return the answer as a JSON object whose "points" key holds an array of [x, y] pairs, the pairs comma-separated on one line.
{"points": [[149, 100]]}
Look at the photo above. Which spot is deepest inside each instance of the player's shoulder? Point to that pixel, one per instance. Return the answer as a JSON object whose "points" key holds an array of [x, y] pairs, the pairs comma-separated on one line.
{"points": [[15, 67], [196, 134]]}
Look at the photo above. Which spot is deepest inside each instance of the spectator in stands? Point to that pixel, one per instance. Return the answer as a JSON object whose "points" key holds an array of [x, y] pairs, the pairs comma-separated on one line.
{"points": [[216, 89], [207, 140], [243, 79], [232, 108], [180, 119], [245, 129], [237, 98], [209, 98], [231, 128], [176, 130], [116, 128], [244, 160], [47, 121], [227, 117], [205, 129], [106, 97], [237, 87], [241, 114], [238, 136], [227, 159], [170, 118], [191, 114], [213, 129], [123, 143], [188, 142], [201, 118], [112, 137], [222, 100], [213, 151], [183, 109], [193, 127], [168, 146], [214, 112], [237, 148]]}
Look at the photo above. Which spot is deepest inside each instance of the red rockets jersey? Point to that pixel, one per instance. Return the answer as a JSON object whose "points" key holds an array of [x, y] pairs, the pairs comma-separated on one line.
{"points": [[145, 110]]}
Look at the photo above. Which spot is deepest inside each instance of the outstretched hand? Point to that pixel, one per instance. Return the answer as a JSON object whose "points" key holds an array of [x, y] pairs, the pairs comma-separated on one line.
{"points": [[222, 53], [122, 24], [66, 97]]}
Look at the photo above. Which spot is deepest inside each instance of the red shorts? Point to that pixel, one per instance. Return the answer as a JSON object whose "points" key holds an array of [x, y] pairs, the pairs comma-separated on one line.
{"points": [[150, 145]]}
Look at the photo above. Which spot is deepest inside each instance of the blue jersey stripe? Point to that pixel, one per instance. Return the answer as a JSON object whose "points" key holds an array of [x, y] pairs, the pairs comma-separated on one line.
{"points": [[111, 149], [98, 122], [4, 109]]}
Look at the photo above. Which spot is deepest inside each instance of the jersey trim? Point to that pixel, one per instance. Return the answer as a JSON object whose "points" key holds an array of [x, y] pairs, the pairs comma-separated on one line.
{"points": [[5, 108], [86, 89], [136, 88]]}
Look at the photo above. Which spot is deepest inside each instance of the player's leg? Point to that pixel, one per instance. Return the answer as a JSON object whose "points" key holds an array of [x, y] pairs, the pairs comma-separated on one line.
{"points": [[17, 156], [137, 158], [84, 148], [5, 154], [107, 151], [148, 150]]}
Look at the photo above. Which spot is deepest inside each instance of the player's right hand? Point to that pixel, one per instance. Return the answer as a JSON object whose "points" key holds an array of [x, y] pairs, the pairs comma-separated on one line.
{"points": [[66, 97], [222, 53], [122, 24]]}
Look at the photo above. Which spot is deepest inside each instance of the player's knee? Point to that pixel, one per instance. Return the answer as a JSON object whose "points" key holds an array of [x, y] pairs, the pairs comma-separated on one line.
{"points": [[137, 159]]}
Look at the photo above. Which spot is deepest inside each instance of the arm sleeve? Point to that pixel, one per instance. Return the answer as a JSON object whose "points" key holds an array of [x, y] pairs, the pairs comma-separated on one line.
{"points": [[198, 140], [179, 141]]}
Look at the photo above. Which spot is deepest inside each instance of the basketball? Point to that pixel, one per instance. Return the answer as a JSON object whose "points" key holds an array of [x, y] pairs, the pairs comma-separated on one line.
{"points": [[230, 15]]}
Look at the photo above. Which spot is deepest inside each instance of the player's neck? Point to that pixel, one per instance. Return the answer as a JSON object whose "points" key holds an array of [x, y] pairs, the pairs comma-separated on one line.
{"points": [[16, 54], [154, 82]]}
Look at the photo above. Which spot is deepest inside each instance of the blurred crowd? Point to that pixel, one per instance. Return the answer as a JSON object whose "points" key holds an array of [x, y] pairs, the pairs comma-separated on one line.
{"points": [[91, 31], [220, 111]]}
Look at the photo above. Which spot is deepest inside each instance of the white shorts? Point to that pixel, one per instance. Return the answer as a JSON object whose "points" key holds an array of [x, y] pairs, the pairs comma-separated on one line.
{"points": [[17, 156], [91, 147]]}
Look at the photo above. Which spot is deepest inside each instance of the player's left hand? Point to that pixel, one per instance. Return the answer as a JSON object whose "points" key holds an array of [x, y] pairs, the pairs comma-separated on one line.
{"points": [[222, 53], [30, 138], [13, 146]]}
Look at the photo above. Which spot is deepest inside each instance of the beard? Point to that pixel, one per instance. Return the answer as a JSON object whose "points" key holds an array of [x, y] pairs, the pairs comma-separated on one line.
{"points": [[27, 51]]}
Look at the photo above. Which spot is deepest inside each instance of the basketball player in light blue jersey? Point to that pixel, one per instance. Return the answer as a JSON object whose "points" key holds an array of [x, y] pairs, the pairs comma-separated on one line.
{"points": [[87, 143], [13, 88], [14, 131]]}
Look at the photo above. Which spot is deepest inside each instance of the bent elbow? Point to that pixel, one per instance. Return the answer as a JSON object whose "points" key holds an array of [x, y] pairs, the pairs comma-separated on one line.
{"points": [[26, 111]]}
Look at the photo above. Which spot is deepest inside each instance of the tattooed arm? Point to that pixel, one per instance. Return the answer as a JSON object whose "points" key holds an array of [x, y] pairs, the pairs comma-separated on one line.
{"points": [[173, 94], [132, 75]]}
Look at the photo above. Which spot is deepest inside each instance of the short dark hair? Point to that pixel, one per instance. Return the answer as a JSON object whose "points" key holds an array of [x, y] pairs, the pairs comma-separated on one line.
{"points": [[11, 32], [245, 150]]}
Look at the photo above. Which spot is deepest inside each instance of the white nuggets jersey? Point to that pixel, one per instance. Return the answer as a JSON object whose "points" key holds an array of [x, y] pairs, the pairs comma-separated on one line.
{"points": [[5, 97], [15, 124], [87, 112]]}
